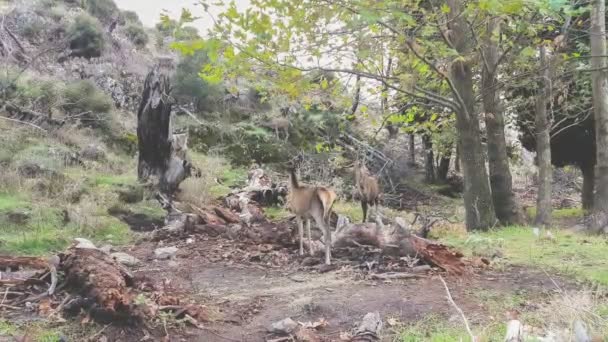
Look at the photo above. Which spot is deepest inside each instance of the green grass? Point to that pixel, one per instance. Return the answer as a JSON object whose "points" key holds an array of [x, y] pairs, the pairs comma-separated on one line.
{"points": [[583, 257], [11, 202], [46, 232], [111, 180], [436, 329], [558, 214], [276, 213]]}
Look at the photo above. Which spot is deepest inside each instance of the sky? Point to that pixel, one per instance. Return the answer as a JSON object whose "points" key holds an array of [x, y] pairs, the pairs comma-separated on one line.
{"points": [[149, 10]]}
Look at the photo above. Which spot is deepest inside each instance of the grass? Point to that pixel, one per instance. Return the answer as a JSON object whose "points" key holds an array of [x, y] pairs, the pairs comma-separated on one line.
{"points": [[276, 213], [11, 202], [583, 257], [436, 329], [565, 213], [114, 180]]}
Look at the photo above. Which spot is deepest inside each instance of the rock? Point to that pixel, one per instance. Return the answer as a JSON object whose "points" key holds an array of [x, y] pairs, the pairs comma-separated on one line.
{"points": [[125, 259], [400, 222], [84, 244], [19, 217], [284, 327], [190, 241], [165, 253], [107, 249], [93, 152]]}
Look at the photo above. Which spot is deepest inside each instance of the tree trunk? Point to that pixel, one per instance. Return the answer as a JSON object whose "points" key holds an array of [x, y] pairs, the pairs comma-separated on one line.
{"points": [[477, 196], [355, 105], [457, 159], [543, 145], [443, 168], [155, 137], [599, 78], [412, 149], [429, 159], [588, 187], [505, 204]]}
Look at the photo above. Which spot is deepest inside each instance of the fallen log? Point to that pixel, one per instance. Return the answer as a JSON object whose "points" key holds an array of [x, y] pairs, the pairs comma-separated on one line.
{"points": [[105, 285], [369, 329], [394, 275], [14, 263]]}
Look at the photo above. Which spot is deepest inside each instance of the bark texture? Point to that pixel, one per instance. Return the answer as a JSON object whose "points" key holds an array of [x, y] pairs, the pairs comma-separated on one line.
{"points": [[477, 196], [501, 183], [443, 168], [588, 187], [429, 159], [155, 137], [412, 149], [543, 145], [599, 78]]}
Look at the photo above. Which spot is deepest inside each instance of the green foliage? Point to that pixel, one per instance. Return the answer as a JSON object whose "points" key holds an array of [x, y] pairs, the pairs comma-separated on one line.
{"points": [[10, 202], [436, 329], [137, 35], [104, 10], [130, 17], [86, 37], [32, 28], [84, 97], [189, 87]]}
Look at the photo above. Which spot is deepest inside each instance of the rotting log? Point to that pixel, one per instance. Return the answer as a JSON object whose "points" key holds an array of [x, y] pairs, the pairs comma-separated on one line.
{"points": [[105, 285]]}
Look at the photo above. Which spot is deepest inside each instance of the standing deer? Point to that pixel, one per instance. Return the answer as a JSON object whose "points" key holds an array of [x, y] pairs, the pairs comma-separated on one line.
{"points": [[314, 202], [278, 124], [367, 188]]}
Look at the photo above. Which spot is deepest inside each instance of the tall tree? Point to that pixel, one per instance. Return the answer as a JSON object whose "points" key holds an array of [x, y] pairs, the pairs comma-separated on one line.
{"points": [[477, 197], [505, 204], [599, 77], [543, 143]]}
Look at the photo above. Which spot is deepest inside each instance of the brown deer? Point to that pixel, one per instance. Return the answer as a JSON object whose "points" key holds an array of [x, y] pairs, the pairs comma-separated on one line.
{"points": [[278, 124], [314, 202], [367, 188]]}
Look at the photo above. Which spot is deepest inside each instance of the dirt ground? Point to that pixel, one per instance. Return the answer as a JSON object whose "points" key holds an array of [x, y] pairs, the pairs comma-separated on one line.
{"points": [[247, 288]]}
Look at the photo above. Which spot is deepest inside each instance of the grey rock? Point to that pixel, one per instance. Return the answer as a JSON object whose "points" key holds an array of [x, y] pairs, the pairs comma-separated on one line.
{"points": [[108, 249], [165, 253], [284, 327], [84, 244], [125, 259]]}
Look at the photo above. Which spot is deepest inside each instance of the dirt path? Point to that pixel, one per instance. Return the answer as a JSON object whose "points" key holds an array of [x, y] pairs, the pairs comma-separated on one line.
{"points": [[245, 297]]}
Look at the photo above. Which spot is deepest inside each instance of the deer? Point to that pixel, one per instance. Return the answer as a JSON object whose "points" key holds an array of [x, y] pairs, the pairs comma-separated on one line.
{"points": [[278, 124], [314, 202], [367, 188]]}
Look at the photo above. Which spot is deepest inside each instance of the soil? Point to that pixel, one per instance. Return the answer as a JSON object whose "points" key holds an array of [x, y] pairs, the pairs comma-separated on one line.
{"points": [[246, 288]]}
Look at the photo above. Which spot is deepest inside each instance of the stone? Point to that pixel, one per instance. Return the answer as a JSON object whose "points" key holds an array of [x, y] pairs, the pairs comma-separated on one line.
{"points": [[108, 249], [125, 259], [283, 327], [165, 253], [84, 244], [93, 152]]}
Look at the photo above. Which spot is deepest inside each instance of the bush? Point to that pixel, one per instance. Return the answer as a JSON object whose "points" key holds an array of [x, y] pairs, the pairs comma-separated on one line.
{"points": [[104, 10], [130, 17], [84, 96], [137, 35], [189, 86], [58, 12], [32, 28], [86, 37]]}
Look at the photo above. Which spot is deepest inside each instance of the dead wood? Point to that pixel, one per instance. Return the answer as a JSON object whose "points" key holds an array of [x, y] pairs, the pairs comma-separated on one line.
{"points": [[439, 255], [369, 329], [14, 263], [102, 282]]}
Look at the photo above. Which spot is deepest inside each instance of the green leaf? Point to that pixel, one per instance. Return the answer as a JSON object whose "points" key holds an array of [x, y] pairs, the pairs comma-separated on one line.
{"points": [[445, 8], [324, 83]]}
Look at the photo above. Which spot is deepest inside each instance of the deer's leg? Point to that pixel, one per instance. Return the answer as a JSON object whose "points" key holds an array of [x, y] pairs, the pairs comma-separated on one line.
{"points": [[309, 237], [301, 234], [364, 208]]}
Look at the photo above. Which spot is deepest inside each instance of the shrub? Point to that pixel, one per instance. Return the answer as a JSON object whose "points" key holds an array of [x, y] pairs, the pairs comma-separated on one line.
{"points": [[130, 17], [57, 12], [189, 86], [86, 37], [84, 96], [104, 10], [137, 35]]}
